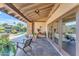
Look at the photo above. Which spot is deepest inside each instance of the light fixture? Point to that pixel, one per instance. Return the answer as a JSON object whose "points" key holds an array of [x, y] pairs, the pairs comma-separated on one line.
{"points": [[37, 11]]}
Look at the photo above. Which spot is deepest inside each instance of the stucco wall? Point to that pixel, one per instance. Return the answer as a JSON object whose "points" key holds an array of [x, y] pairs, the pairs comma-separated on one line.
{"points": [[37, 26]]}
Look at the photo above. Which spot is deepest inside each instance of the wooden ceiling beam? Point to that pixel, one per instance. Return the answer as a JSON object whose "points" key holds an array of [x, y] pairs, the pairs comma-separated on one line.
{"points": [[16, 10], [29, 6], [12, 14], [56, 6], [38, 21]]}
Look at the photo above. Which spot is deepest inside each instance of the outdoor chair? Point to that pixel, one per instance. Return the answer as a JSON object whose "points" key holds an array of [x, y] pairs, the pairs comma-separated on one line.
{"points": [[25, 45]]}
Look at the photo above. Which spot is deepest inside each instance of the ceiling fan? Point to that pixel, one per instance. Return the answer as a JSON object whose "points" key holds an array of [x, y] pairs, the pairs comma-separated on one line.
{"points": [[37, 11]]}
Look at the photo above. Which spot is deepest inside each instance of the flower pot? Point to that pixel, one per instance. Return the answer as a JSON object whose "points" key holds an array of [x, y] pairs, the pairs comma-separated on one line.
{"points": [[34, 38]]}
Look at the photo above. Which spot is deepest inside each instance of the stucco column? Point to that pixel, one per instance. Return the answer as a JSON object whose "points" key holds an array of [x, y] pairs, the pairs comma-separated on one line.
{"points": [[29, 28], [32, 27], [77, 32], [46, 31], [60, 31], [53, 33]]}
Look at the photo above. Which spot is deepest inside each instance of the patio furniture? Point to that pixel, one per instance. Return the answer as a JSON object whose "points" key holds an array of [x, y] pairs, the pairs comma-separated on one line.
{"points": [[25, 45], [41, 35]]}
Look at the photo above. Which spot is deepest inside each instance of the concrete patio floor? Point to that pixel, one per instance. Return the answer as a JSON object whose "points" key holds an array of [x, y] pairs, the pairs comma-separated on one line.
{"points": [[41, 47], [44, 48]]}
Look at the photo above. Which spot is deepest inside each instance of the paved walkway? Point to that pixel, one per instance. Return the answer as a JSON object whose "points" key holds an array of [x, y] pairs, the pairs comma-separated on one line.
{"points": [[41, 47]]}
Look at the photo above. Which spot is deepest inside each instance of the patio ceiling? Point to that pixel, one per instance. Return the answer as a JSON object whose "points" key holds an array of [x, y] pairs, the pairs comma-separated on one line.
{"points": [[69, 18], [35, 11], [32, 12]]}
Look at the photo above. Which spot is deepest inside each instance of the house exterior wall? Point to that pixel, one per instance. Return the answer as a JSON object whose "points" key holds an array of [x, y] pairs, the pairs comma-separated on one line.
{"points": [[37, 26], [58, 15], [63, 9]]}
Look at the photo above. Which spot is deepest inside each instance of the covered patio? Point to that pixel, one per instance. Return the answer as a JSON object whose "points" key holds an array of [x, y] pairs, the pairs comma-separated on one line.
{"points": [[35, 15], [48, 25]]}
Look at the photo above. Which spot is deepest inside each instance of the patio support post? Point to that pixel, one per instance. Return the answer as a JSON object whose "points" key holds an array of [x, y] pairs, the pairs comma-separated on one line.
{"points": [[77, 32], [46, 31], [29, 28], [60, 29], [32, 27], [53, 32]]}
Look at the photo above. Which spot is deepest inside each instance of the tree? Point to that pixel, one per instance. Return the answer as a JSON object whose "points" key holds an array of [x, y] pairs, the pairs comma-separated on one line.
{"points": [[4, 24], [19, 26]]}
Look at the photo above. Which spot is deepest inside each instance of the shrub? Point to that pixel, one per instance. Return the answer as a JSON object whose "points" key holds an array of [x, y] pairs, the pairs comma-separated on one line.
{"points": [[6, 46]]}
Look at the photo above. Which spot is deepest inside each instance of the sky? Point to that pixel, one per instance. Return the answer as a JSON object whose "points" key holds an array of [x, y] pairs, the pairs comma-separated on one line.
{"points": [[71, 23], [5, 18]]}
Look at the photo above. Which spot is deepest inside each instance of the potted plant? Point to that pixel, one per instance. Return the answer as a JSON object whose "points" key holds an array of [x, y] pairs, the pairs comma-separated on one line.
{"points": [[6, 46], [34, 36]]}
